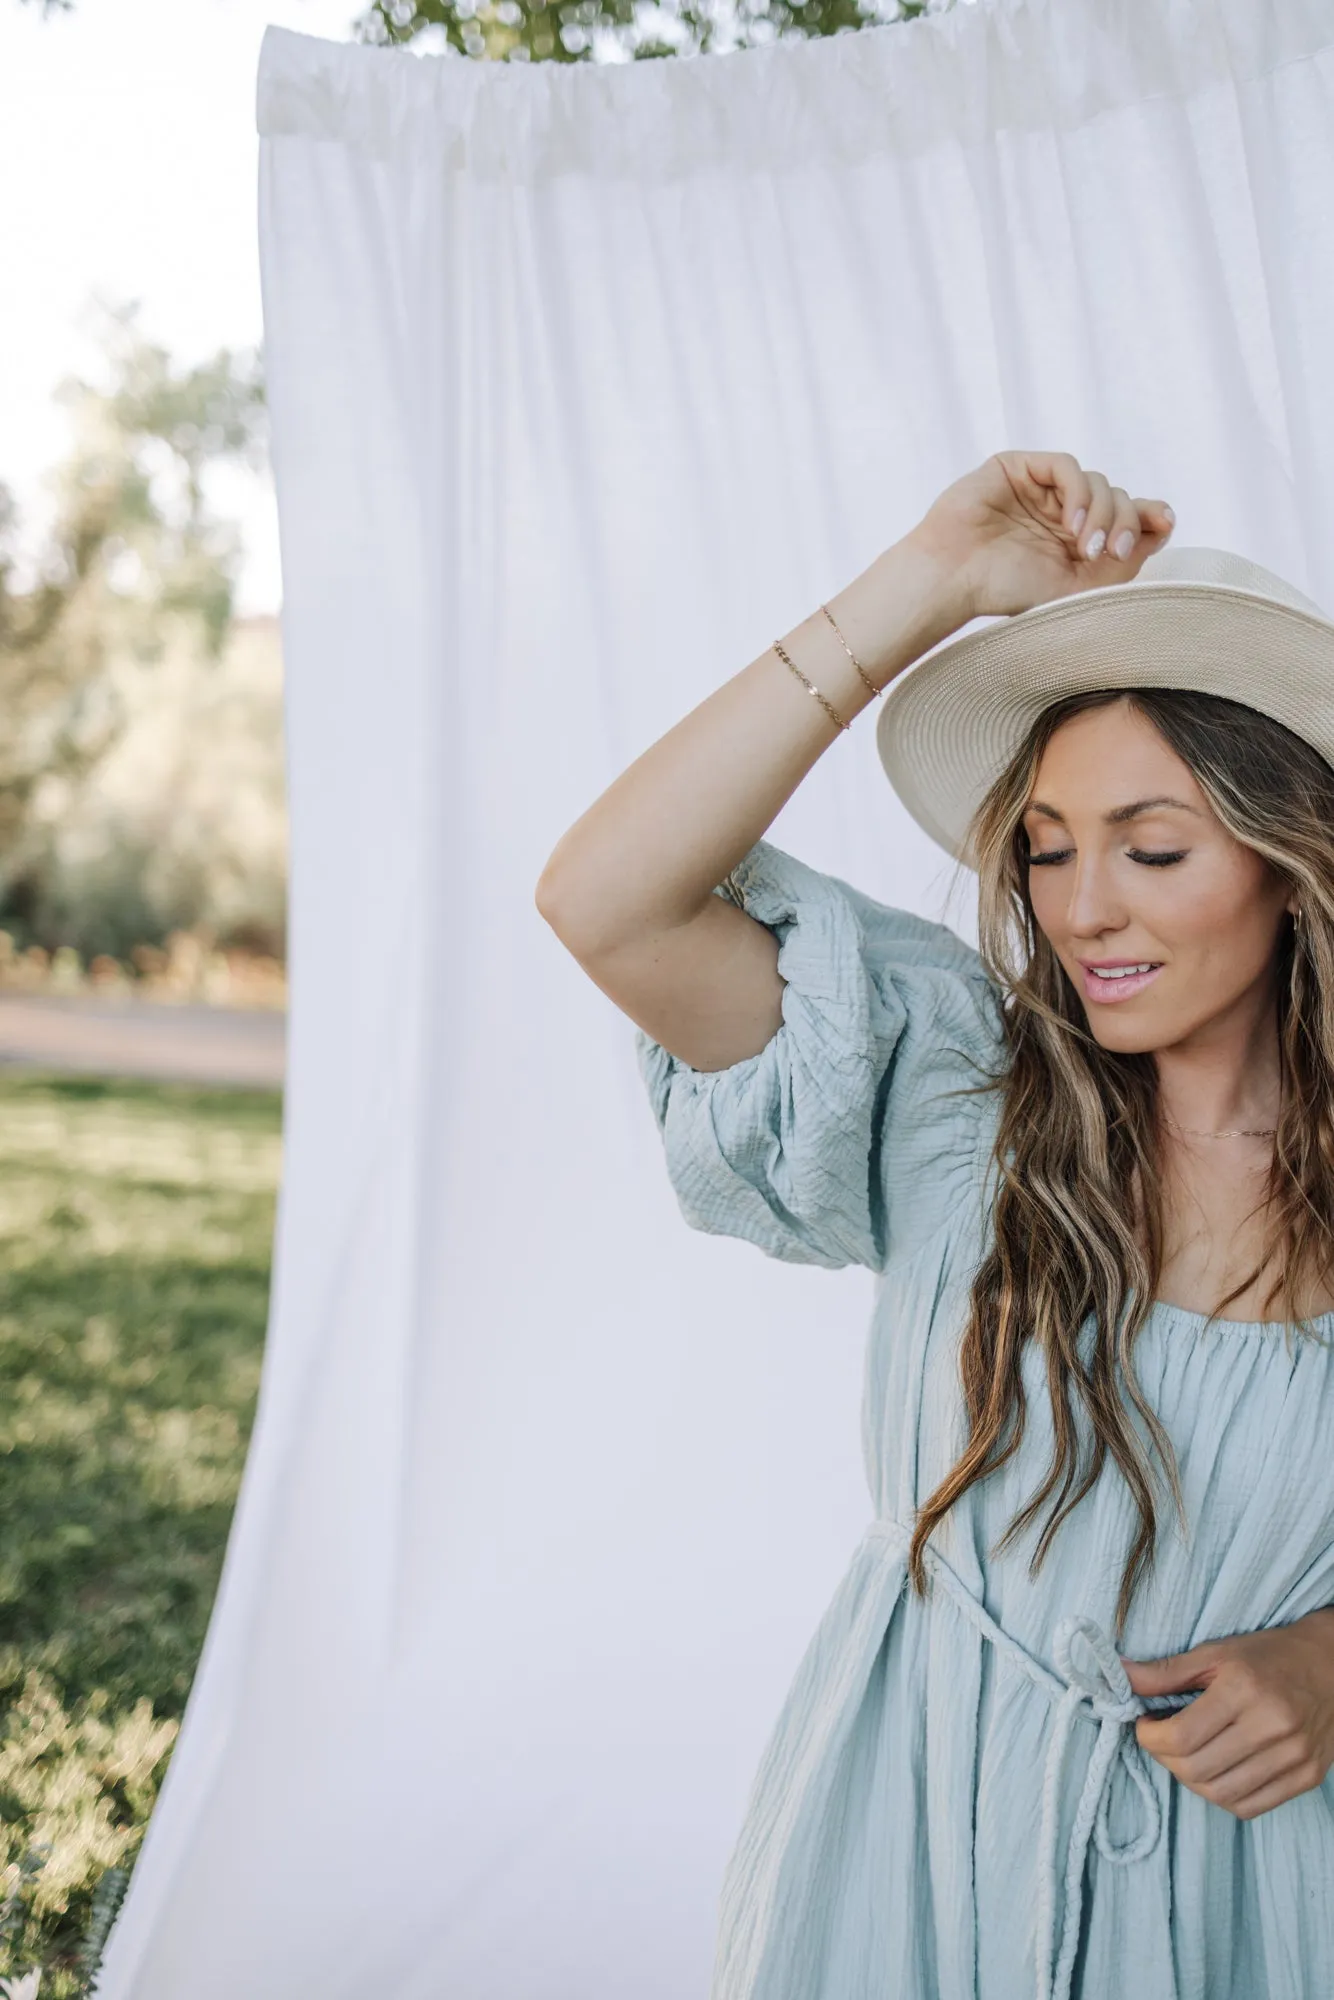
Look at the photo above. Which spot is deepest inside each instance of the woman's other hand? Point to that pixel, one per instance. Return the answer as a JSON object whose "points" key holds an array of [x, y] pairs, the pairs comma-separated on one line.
{"points": [[1263, 1730], [1029, 526]]}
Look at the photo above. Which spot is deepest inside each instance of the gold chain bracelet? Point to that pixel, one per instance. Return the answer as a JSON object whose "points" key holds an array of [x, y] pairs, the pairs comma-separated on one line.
{"points": [[851, 655], [832, 712]]}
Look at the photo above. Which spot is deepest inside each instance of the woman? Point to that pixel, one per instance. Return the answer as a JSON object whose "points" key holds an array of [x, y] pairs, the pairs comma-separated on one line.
{"points": [[1066, 1727]]}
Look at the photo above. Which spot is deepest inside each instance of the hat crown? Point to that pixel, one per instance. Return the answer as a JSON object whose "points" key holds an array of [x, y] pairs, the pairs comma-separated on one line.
{"points": [[1221, 567], [1203, 619]]}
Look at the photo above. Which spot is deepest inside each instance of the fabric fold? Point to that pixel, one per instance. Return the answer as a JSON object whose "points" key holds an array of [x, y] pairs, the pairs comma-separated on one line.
{"points": [[585, 380], [784, 1147], [770, 1907], [952, 78]]}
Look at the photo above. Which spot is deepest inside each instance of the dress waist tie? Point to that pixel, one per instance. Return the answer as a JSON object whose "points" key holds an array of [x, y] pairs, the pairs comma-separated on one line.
{"points": [[1111, 1700]]}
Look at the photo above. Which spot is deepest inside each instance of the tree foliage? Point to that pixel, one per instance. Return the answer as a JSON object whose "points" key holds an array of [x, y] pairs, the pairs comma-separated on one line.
{"points": [[591, 30], [587, 30], [134, 552]]}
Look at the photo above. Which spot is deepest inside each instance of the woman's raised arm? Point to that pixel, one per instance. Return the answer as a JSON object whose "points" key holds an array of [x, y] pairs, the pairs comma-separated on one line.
{"points": [[629, 888]]}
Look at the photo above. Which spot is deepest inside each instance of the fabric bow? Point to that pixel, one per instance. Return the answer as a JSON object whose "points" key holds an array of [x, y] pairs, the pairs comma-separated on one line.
{"points": [[1105, 1688]]}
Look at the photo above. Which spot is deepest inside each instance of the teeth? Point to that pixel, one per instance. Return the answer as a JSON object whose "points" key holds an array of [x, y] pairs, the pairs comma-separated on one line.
{"points": [[1121, 971]]}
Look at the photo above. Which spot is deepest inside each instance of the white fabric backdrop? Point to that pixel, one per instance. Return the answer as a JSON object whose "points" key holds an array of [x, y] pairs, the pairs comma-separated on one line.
{"points": [[587, 382]]}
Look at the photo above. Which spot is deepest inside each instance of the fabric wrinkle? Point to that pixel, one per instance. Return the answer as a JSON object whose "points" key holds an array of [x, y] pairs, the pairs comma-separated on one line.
{"points": [[1015, 1849], [1104, 1693]]}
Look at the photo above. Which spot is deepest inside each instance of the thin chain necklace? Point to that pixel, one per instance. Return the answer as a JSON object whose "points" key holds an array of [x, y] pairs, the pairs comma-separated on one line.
{"points": [[1244, 1132]]}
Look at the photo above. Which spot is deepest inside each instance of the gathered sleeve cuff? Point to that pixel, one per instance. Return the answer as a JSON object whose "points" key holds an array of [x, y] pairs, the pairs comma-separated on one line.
{"points": [[798, 1148]]}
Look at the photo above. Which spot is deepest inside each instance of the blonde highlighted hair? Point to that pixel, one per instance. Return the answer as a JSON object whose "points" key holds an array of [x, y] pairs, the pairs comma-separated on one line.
{"points": [[1078, 1218]]}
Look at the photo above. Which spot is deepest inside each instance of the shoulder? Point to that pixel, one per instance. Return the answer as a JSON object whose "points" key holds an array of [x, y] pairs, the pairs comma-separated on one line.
{"points": [[941, 1091], [923, 970], [852, 1127], [939, 1031]]}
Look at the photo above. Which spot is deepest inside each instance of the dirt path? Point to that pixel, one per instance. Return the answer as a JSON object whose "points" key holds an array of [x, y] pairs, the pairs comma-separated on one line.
{"points": [[146, 1038]]}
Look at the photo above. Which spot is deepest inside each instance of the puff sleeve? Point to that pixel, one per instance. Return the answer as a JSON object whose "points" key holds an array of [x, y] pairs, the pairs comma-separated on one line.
{"points": [[842, 1135]]}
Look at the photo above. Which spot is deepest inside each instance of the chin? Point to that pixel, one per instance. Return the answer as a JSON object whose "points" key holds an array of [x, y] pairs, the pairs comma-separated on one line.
{"points": [[1125, 1036]]}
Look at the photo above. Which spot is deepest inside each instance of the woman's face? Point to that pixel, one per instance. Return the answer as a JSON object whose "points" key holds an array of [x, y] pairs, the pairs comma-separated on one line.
{"points": [[1166, 925]]}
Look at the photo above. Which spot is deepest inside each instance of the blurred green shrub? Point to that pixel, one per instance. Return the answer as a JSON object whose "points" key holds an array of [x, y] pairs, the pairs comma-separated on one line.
{"points": [[118, 657], [156, 848], [76, 1788]]}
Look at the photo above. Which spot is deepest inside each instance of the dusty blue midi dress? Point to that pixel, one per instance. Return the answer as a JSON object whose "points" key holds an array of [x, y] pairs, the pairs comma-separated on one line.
{"points": [[953, 1804]]}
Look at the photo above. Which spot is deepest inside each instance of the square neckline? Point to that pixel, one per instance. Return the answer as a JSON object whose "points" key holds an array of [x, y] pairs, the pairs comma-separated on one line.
{"points": [[1198, 1321]]}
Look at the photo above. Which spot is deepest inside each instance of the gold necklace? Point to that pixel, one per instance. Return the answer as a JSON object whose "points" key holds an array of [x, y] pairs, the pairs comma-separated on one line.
{"points": [[1244, 1132]]}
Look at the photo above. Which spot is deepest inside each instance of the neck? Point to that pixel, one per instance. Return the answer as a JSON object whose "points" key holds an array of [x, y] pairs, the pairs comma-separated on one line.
{"points": [[1226, 1076]]}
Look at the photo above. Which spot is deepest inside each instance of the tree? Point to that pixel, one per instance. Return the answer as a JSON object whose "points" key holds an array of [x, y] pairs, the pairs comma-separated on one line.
{"points": [[586, 30], [134, 555], [593, 30]]}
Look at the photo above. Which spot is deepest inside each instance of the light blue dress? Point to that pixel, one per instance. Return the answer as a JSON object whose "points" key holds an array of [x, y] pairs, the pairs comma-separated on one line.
{"points": [[953, 1804]]}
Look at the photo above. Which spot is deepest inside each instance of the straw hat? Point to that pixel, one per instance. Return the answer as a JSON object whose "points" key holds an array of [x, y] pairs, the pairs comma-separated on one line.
{"points": [[1191, 618]]}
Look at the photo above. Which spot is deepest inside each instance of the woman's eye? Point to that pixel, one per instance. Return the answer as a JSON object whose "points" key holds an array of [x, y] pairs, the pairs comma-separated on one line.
{"points": [[1051, 857]]}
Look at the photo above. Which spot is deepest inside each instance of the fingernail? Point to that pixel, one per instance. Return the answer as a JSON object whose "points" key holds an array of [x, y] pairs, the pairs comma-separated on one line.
{"points": [[1080, 519], [1124, 543], [1170, 515], [1096, 543]]}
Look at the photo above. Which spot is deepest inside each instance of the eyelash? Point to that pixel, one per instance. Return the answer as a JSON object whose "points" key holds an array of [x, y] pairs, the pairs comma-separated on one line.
{"points": [[1159, 860]]}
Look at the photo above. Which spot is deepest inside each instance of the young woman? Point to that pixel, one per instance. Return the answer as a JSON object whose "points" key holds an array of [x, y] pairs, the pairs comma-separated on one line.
{"points": [[1067, 1726]]}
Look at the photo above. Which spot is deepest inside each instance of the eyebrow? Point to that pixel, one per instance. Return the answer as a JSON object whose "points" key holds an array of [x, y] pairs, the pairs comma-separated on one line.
{"points": [[1119, 814]]}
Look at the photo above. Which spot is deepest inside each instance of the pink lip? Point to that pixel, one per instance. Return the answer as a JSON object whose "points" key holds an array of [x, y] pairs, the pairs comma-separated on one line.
{"points": [[1108, 991]]}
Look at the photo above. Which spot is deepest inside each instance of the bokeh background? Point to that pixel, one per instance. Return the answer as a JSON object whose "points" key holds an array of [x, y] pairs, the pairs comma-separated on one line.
{"points": [[143, 844]]}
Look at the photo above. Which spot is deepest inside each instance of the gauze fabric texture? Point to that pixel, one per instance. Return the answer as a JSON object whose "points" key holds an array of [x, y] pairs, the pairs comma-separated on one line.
{"points": [[953, 1803], [586, 381]]}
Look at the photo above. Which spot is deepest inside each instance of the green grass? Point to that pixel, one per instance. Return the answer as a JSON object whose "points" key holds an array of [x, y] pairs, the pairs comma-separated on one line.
{"points": [[135, 1233]]}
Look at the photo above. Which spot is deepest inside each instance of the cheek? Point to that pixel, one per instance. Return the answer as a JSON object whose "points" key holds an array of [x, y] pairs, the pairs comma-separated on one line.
{"points": [[1221, 921]]}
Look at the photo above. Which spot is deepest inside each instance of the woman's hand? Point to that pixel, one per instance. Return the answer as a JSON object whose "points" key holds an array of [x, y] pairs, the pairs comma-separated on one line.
{"points": [[1029, 526], [1263, 1730]]}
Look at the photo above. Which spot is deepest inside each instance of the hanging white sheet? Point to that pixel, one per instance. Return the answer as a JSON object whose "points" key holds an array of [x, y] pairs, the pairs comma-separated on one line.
{"points": [[586, 382]]}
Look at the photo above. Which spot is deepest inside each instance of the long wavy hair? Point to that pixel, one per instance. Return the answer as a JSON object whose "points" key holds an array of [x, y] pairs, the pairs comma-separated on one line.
{"points": [[1078, 1215]]}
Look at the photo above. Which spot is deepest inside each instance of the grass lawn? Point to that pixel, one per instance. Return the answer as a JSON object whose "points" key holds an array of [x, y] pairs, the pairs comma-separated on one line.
{"points": [[136, 1222]]}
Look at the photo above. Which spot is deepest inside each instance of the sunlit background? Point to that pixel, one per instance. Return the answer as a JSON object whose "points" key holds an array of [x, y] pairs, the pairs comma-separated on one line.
{"points": [[143, 864]]}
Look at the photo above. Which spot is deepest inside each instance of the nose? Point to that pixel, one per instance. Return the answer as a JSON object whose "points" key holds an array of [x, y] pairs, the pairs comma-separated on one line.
{"points": [[1094, 907]]}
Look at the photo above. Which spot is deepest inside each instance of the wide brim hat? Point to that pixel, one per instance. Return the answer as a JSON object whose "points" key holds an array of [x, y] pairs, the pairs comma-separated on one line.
{"points": [[1190, 618]]}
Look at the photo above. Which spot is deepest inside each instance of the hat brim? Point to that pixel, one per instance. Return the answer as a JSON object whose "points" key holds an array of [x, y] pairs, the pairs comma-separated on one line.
{"points": [[951, 723]]}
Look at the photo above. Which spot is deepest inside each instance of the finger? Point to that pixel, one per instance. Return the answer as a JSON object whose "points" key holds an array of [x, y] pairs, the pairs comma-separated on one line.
{"points": [[1175, 1673], [1281, 1771], [1068, 476], [1303, 1777], [1231, 1747], [1182, 1734], [1101, 514], [1060, 473], [1123, 534], [1156, 518]]}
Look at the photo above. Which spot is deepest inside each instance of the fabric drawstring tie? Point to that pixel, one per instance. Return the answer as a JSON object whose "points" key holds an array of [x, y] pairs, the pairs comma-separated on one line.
{"points": [[1103, 1690]]}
